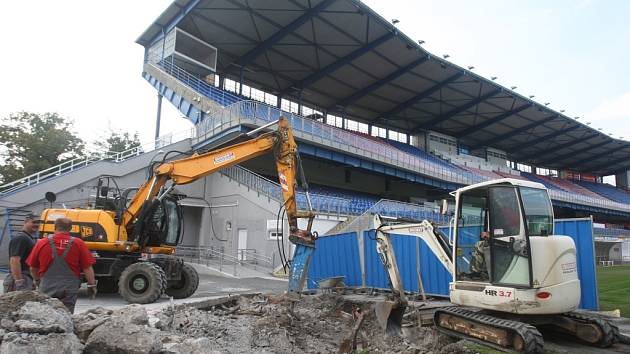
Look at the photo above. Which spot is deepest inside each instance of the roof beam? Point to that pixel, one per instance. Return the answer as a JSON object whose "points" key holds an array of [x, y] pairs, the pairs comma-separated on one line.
{"points": [[573, 153], [621, 169], [514, 132], [553, 149], [330, 68], [283, 32], [456, 111], [166, 28], [378, 83], [544, 138], [419, 97], [494, 120], [604, 164]]}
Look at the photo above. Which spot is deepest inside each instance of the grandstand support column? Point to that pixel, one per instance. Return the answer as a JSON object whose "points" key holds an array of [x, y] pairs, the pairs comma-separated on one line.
{"points": [[623, 179], [300, 103], [158, 117], [240, 83]]}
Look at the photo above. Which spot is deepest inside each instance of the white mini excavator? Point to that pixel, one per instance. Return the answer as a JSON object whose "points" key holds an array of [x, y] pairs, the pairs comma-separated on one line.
{"points": [[511, 274]]}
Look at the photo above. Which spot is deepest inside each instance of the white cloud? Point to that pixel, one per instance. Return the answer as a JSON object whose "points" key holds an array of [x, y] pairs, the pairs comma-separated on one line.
{"points": [[612, 115]]}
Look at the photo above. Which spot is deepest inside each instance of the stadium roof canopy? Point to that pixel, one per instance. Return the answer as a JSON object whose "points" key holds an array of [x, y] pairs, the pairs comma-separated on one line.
{"points": [[341, 57]]}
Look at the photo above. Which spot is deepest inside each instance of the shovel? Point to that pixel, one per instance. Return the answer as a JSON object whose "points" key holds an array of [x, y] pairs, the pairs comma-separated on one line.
{"points": [[389, 315]]}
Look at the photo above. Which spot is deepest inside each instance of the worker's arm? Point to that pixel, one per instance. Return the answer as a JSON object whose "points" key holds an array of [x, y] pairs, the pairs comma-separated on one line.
{"points": [[89, 275], [16, 267], [35, 273]]}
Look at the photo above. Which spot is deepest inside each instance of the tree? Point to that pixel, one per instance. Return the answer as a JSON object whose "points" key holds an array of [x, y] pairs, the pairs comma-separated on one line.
{"points": [[118, 142], [31, 142]]}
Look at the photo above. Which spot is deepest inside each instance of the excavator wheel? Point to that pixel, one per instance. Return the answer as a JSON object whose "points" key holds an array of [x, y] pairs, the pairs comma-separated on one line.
{"points": [[142, 283], [186, 286]]}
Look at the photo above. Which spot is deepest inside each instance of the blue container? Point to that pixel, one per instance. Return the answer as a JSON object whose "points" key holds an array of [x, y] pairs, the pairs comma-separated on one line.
{"points": [[581, 231], [336, 255]]}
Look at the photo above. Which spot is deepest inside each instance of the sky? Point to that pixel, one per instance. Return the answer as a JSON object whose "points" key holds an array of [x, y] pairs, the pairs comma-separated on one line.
{"points": [[80, 59]]}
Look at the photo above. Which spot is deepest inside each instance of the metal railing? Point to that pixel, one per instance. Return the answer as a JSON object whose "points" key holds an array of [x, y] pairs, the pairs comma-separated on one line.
{"points": [[323, 204], [608, 232], [394, 209], [257, 113], [217, 258], [241, 111], [80, 162], [198, 84]]}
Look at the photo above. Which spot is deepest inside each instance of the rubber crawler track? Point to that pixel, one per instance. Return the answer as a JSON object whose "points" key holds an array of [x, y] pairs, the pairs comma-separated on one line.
{"points": [[533, 340], [610, 330]]}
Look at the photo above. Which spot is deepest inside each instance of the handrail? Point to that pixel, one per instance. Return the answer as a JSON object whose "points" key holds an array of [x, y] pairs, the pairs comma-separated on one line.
{"points": [[323, 204], [79, 162], [327, 135], [252, 111], [206, 254], [392, 208]]}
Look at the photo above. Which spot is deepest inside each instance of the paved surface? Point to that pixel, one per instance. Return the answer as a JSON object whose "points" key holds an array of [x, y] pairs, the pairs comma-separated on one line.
{"points": [[211, 284]]}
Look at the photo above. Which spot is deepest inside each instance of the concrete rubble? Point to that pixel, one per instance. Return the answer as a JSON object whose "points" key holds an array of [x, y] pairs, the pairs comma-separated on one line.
{"points": [[34, 323]]}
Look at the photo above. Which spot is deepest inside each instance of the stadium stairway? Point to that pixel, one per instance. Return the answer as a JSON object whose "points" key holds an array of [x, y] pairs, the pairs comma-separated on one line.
{"points": [[72, 182]]}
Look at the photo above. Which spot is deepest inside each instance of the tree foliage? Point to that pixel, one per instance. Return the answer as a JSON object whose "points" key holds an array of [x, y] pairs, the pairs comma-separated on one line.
{"points": [[31, 142], [118, 141]]}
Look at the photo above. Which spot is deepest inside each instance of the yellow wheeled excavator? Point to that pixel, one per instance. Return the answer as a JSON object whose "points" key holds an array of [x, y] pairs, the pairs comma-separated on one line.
{"points": [[129, 228], [511, 274]]}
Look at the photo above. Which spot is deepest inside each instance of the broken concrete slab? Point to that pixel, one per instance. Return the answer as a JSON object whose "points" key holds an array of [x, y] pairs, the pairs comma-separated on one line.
{"points": [[37, 317], [13, 301], [134, 314], [32, 343], [119, 337], [86, 322], [188, 346]]}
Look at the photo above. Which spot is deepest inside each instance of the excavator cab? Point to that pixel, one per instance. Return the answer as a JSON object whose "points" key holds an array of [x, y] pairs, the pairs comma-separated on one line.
{"points": [[493, 227]]}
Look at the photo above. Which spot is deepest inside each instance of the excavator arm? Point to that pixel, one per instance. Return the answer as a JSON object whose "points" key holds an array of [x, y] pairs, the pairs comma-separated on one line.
{"points": [[189, 169], [390, 313], [139, 215]]}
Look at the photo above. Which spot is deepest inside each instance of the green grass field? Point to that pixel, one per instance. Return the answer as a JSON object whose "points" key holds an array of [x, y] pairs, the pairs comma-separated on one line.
{"points": [[614, 288]]}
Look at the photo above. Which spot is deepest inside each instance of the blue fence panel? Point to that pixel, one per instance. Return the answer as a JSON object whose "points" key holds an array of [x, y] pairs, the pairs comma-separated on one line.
{"points": [[435, 277], [336, 255], [581, 231]]}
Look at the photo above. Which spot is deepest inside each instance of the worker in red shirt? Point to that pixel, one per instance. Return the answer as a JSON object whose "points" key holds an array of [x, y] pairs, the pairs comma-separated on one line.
{"points": [[56, 263]]}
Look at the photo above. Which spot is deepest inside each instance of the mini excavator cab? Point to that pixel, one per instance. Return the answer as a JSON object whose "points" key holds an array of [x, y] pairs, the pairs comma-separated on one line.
{"points": [[502, 247]]}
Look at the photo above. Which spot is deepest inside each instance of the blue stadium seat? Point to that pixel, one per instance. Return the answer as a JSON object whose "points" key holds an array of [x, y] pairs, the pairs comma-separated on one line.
{"points": [[609, 191]]}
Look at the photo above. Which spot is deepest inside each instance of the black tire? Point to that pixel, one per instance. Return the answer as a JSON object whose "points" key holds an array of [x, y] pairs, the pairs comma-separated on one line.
{"points": [[108, 285], [186, 286], [141, 283]]}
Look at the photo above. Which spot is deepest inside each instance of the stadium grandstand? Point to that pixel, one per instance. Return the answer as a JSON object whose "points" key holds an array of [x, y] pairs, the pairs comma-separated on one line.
{"points": [[382, 124]]}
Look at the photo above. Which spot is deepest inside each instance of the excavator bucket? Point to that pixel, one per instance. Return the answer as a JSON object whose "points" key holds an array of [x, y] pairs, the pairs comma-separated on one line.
{"points": [[389, 315]]}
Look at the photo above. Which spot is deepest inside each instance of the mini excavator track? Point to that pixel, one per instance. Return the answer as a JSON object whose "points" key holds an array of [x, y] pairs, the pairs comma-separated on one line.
{"points": [[499, 333], [589, 328]]}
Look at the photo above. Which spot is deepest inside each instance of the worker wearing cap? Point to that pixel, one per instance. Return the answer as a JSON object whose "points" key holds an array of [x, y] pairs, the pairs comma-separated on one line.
{"points": [[20, 248], [58, 260], [478, 266]]}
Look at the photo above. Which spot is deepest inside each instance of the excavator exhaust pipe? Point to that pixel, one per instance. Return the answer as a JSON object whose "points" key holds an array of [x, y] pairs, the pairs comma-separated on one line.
{"points": [[389, 315]]}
